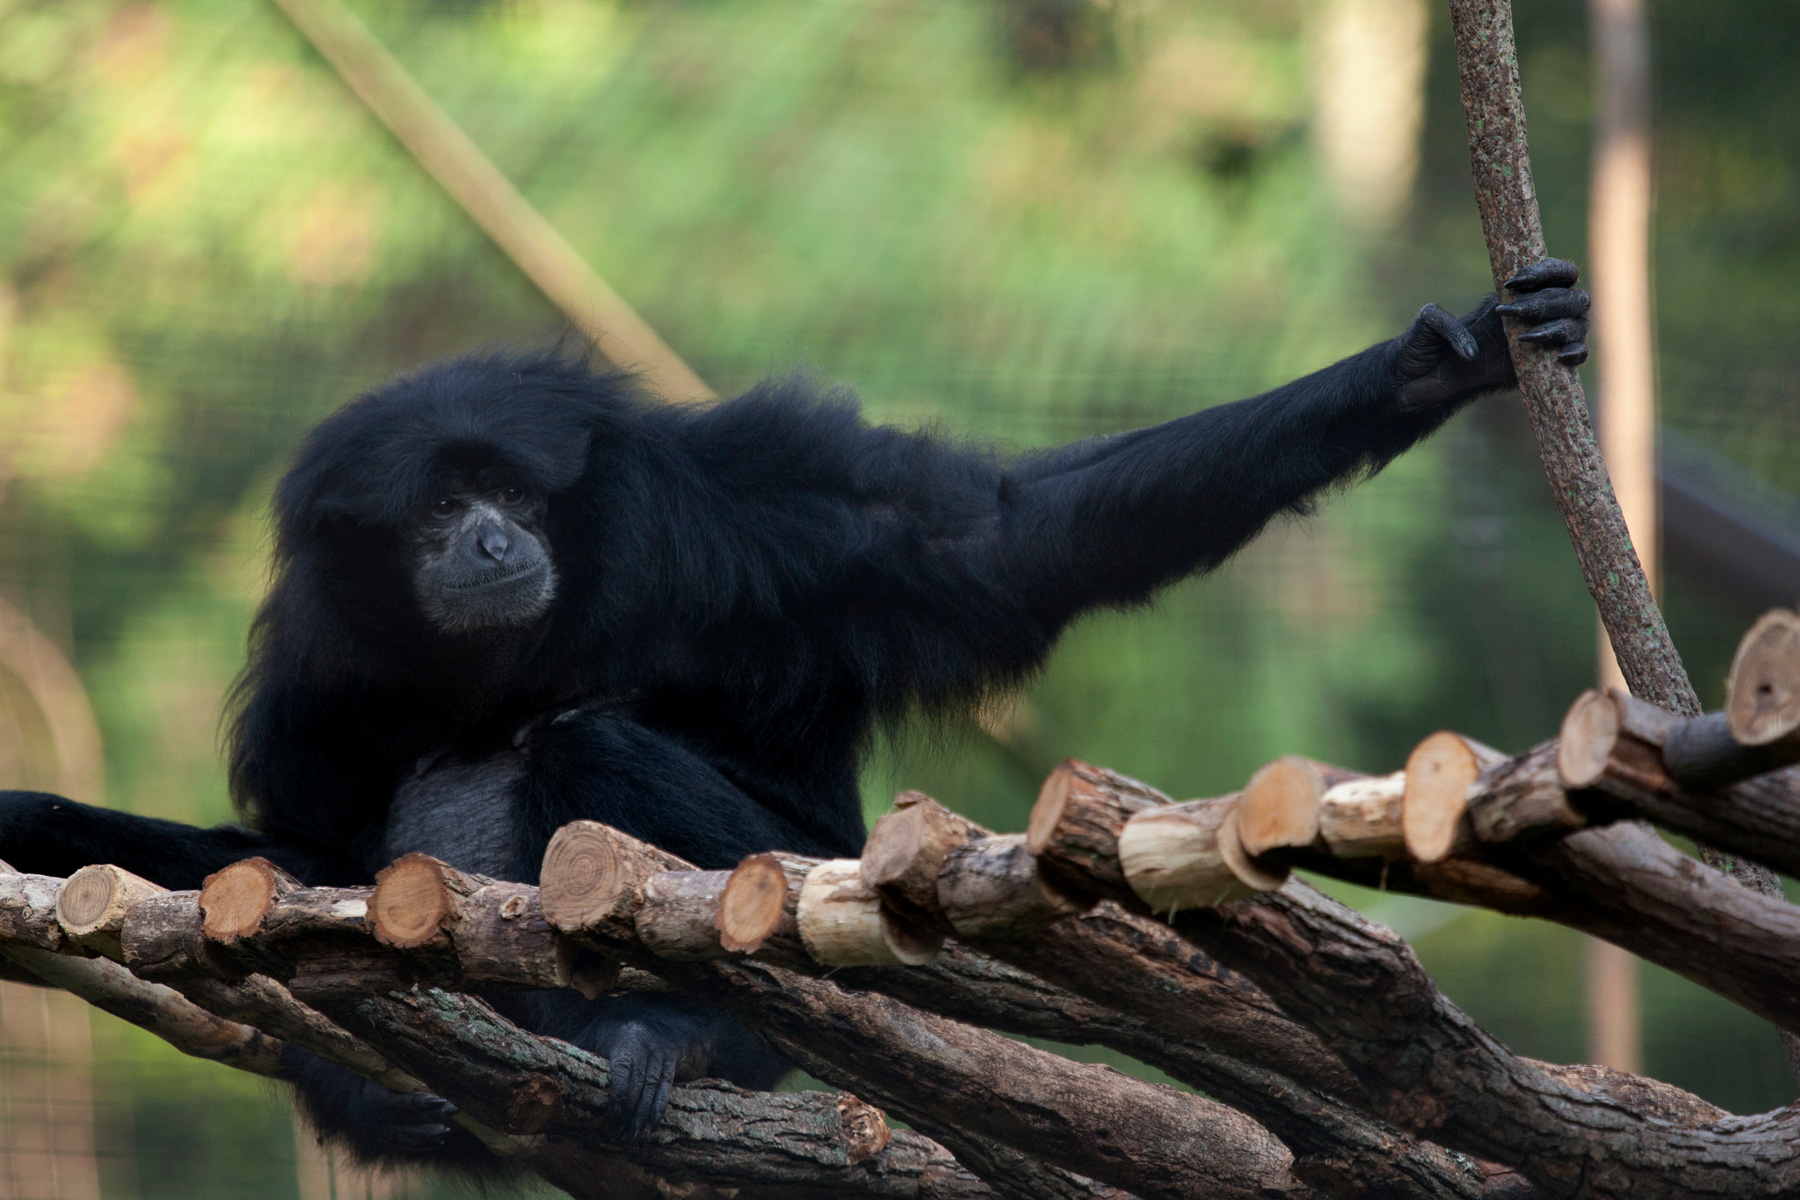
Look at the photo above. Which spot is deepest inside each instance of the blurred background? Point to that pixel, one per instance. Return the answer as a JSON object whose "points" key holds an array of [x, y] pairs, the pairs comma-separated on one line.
{"points": [[1024, 221]]}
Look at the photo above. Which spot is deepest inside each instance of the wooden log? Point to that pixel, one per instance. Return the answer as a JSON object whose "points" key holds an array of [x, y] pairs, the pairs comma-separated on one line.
{"points": [[768, 1145], [905, 852], [593, 878], [1432, 1071], [1172, 859], [418, 901], [1258, 877], [47, 952], [1614, 734], [1360, 818], [681, 917], [934, 1072], [91, 905], [1523, 797], [1763, 704], [1075, 826], [759, 899], [1613, 748], [992, 886], [844, 924], [28, 912], [161, 939], [235, 899], [1281, 806], [1433, 810]]}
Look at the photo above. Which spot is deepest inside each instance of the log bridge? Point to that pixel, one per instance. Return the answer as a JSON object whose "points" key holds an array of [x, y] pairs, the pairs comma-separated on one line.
{"points": [[1318, 1058]]}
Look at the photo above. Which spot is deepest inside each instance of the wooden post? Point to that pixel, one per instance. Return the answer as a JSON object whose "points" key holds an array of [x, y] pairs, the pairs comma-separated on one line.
{"points": [[490, 199], [1619, 253]]}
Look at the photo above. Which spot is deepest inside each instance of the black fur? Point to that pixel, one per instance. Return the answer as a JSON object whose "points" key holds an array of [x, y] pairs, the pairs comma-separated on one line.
{"points": [[746, 590]]}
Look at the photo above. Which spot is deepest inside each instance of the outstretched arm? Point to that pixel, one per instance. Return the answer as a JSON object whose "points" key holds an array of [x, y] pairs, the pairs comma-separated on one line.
{"points": [[1111, 520], [47, 835]]}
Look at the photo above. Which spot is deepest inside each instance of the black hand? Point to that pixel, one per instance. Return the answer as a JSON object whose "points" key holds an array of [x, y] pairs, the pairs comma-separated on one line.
{"points": [[1441, 361], [413, 1122]]}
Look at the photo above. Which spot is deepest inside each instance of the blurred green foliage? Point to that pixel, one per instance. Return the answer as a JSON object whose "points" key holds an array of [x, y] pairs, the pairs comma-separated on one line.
{"points": [[1025, 220]]}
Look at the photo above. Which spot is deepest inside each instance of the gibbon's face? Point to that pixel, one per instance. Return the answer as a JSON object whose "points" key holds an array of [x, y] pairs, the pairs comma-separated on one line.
{"points": [[482, 560]]}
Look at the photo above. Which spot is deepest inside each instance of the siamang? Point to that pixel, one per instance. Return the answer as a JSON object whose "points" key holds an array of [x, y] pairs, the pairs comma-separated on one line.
{"points": [[510, 591]]}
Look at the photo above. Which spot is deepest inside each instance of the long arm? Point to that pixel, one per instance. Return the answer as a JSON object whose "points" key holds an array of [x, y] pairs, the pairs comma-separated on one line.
{"points": [[48, 835], [1111, 520]]}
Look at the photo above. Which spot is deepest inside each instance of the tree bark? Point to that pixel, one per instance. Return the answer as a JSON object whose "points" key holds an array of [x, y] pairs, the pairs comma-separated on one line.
{"points": [[1433, 1071]]}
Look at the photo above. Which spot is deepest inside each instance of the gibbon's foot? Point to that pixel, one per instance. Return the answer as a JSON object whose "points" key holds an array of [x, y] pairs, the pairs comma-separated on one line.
{"points": [[412, 1122]]}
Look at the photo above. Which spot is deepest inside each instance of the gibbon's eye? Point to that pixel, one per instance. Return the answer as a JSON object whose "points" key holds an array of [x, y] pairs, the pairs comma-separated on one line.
{"points": [[512, 495], [443, 506]]}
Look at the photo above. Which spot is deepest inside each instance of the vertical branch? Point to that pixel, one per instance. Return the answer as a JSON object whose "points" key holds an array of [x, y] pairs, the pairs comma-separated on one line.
{"points": [[1488, 63]]}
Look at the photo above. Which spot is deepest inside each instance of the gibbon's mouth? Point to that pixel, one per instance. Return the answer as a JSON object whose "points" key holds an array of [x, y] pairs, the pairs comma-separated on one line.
{"points": [[492, 582]]}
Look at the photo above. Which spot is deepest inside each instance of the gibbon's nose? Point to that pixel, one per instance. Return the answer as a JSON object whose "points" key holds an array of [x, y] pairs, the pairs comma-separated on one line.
{"points": [[493, 541]]}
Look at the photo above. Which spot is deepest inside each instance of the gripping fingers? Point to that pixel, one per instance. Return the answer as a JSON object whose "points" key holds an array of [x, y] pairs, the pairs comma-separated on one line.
{"points": [[1545, 273], [1535, 308], [1567, 336]]}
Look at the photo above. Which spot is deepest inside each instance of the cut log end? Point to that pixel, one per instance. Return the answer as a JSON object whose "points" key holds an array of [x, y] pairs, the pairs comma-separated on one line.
{"points": [[96, 897], [1590, 730], [906, 850], [411, 902], [593, 872], [1047, 813], [1763, 697], [235, 899], [1439, 773], [1280, 806], [1231, 848], [751, 907]]}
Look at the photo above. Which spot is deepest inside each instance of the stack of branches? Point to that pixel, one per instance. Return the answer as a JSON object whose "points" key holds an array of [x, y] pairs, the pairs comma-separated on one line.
{"points": [[1323, 1061]]}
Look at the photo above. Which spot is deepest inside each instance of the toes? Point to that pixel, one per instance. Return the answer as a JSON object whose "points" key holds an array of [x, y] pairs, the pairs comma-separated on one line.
{"points": [[1573, 356], [1545, 273], [417, 1137], [1536, 308]]}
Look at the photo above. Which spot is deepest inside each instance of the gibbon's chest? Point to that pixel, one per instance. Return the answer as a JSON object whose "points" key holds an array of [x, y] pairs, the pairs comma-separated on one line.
{"points": [[461, 812]]}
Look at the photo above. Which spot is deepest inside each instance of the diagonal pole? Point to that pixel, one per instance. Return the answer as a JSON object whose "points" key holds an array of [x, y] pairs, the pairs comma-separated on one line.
{"points": [[1489, 65], [490, 199], [1488, 62]]}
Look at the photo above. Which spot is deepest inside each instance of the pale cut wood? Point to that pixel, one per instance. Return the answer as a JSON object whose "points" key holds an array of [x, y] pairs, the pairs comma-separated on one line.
{"points": [[1763, 697], [1172, 858], [906, 850], [843, 923], [756, 901], [1231, 849], [991, 886], [235, 899], [91, 905], [1589, 731], [680, 917], [1281, 806], [1439, 773], [418, 900], [1360, 818], [593, 879], [1075, 824]]}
